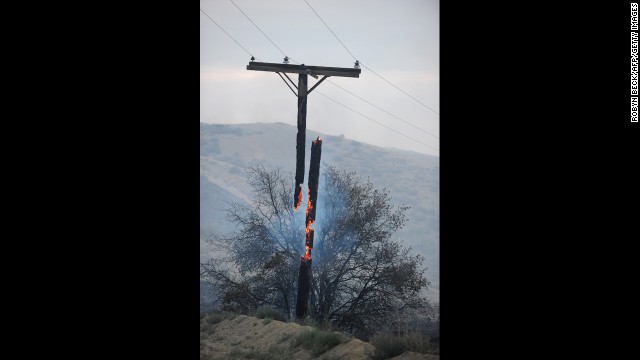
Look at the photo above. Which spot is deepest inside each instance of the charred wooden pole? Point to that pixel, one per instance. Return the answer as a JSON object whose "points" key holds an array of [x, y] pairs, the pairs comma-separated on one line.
{"points": [[300, 140], [304, 287], [302, 93], [304, 275]]}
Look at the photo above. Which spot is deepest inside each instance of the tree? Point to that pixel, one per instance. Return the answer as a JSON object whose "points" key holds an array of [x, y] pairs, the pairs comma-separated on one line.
{"points": [[258, 262], [362, 277]]}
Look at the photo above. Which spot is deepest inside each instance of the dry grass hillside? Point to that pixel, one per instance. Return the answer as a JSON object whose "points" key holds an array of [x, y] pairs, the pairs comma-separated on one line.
{"points": [[225, 336]]}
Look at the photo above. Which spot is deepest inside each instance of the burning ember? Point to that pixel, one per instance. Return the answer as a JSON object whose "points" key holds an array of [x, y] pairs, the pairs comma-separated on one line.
{"points": [[314, 174], [298, 198], [308, 244]]}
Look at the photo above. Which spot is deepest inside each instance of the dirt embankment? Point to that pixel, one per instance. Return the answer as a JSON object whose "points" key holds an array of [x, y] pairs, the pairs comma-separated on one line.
{"points": [[245, 337]]}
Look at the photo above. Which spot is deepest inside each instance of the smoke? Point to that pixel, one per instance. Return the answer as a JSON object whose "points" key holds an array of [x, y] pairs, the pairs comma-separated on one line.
{"points": [[331, 238]]}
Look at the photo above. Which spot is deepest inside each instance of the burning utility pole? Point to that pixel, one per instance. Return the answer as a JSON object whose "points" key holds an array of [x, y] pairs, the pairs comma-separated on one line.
{"points": [[304, 276]]}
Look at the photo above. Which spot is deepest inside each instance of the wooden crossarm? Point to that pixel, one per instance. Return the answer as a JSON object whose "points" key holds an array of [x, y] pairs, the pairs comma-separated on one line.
{"points": [[304, 69]]}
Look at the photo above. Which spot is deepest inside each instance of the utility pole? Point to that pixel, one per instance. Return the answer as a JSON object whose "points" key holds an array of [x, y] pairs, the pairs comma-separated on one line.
{"points": [[302, 71], [304, 276]]}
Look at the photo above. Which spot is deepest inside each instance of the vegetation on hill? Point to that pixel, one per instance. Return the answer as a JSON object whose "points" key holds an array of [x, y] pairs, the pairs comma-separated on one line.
{"points": [[363, 281], [231, 336]]}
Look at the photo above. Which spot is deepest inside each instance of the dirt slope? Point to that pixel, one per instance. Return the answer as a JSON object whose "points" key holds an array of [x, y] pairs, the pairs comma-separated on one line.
{"points": [[245, 337], [415, 356]]}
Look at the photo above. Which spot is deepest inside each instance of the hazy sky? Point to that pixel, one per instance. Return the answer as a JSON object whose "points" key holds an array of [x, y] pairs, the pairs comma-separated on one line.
{"points": [[397, 39]]}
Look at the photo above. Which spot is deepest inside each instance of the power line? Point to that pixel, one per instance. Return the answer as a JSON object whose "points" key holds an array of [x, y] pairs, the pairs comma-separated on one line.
{"points": [[354, 58], [228, 34], [381, 124], [383, 110], [283, 53], [380, 76], [339, 103], [257, 27], [263, 33], [334, 34]]}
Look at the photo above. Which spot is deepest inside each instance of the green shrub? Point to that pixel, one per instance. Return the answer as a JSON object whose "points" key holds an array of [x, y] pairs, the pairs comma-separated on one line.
{"points": [[217, 317], [309, 321], [267, 312], [213, 319], [318, 341], [420, 343], [204, 327], [388, 345]]}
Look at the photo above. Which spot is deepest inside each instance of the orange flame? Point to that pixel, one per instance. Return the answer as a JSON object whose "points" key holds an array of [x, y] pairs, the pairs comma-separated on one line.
{"points": [[309, 205], [296, 206], [308, 231]]}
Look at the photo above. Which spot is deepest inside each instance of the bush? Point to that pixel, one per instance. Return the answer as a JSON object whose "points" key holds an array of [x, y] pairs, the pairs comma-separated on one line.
{"points": [[318, 324], [389, 345], [205, 327], [217, 317], [317, 341], [265, 312], [421, 343]]}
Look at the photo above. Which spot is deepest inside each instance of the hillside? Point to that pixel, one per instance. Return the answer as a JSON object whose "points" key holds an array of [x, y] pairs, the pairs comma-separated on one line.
{"points": [[246, 337], [411, 178]]}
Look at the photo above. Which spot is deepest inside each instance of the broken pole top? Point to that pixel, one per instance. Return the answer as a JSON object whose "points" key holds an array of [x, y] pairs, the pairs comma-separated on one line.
{"points": [[304, 69]]}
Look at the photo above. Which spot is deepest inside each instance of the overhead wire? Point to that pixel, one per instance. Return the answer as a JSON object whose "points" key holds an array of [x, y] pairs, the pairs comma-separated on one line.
{"points": [[383, 110], [339, 103], [366, 67], [345, 47], [263, 33], [236, 41], [379, 123], [334, 34], [390, 83]]}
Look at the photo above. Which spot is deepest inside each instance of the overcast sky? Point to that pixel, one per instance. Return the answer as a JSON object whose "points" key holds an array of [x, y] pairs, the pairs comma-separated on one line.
{"points": [[399, 40]]}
